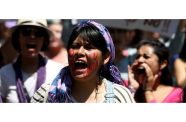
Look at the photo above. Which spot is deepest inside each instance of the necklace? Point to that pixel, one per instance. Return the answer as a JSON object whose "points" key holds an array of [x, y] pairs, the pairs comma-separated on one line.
{"points": [[99, 91]]}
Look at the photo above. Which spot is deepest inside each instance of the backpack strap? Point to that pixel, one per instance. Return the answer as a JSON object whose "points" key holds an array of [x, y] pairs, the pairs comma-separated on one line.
{"points": [[109, 96]]}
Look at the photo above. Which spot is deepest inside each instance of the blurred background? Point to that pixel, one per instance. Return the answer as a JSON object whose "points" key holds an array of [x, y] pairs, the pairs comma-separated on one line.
{"points": [[126, 34]]}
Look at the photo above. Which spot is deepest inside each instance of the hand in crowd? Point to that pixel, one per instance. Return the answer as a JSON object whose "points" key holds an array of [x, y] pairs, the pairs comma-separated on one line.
{"points": [[141, 74]]}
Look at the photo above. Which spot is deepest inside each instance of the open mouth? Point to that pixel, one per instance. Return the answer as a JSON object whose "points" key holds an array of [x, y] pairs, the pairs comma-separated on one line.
{"points": [[141, 70], [80, 65], [31, 46]]}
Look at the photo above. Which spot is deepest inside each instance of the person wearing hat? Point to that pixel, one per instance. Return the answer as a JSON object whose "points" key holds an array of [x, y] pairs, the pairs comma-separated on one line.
{"points": [[20, 79]]}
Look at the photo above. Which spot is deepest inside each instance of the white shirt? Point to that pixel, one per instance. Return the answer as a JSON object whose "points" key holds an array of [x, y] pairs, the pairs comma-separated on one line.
{"points": [[8, 80], [121, 94]]}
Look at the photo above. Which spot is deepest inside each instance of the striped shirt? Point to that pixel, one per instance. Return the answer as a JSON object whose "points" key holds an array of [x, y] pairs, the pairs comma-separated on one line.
{"points": [[121, 94]]}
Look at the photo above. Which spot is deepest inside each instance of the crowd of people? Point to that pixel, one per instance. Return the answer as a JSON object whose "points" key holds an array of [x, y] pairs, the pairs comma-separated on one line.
{"points": [[99, 64]]}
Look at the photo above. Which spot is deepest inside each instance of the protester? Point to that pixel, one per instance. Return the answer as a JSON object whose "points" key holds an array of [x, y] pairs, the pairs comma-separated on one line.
{"points": [[20, 79], [57, 50], [149, 75], [91, 76]]}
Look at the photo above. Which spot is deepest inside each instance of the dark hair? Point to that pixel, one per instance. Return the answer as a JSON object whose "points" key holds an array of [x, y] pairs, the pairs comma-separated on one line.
{"points": [[15, 39], [90, 34], [184, 95], [163, 54], [182, 54]]}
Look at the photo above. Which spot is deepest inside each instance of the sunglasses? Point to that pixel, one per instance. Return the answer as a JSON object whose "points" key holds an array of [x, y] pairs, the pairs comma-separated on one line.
{"points": [[28, 31]]}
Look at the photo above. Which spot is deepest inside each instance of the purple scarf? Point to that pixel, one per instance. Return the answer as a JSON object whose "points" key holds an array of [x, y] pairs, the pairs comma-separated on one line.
{"points": [[61, 87], [21, 90], [60, 91]]}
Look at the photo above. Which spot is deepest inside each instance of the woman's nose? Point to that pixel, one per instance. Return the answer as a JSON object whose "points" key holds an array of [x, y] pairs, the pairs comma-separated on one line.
{"points": [[81, 50], [141, 59]]}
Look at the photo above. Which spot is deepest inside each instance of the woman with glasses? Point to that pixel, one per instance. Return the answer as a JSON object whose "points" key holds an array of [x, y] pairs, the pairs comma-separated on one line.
{"points": [[20, 79]]}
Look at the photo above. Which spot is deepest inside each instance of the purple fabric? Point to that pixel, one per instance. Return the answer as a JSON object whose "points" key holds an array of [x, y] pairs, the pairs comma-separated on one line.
{"points": [[107, 37], [20, 91], [41, 73], [61, 86], [60, 91], [41, 77]]}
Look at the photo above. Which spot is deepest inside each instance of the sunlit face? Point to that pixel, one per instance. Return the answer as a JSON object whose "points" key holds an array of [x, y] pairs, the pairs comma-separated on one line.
{"points": [[146, 55], [57, 31], [85, 60], [31, 40]]}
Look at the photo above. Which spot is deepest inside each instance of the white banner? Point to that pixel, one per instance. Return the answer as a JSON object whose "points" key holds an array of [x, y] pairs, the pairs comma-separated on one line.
{"points": [[165, 27]]}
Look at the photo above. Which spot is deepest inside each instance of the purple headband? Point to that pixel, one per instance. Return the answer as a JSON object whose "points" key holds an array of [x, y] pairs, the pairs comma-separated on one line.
{"points": [[105, 33]]}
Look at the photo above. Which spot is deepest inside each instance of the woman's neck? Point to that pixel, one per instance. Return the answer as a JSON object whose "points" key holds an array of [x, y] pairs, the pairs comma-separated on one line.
{"points": [[88, 91], [29, 65], [157, 83]]}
